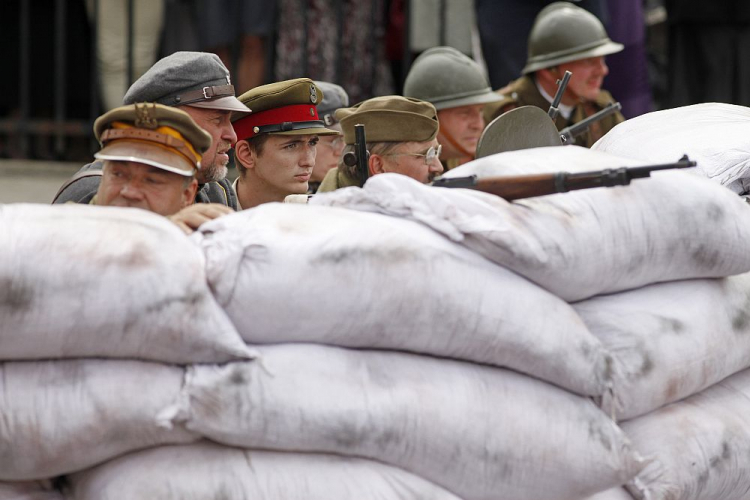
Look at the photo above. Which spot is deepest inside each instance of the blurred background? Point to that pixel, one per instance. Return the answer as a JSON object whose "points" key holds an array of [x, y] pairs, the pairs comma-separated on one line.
{"points": [[67, 61]]}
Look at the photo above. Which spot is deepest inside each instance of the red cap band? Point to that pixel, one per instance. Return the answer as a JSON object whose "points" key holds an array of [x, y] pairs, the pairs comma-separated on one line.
{"points": [[294, 113]]}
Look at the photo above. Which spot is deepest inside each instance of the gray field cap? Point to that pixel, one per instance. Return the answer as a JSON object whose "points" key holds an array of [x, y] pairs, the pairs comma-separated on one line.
{"points": [[197, 79], [334, 97]]}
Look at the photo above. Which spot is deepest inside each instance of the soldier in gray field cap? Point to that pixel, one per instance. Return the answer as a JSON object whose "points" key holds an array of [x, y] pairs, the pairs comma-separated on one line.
{"points": [[199, 84], [459, 90], [330, 147]]}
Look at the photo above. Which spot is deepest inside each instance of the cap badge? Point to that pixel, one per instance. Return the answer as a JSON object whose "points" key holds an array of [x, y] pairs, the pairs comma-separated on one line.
{"points": [[313, 94], [143, 118], [312, 111]]}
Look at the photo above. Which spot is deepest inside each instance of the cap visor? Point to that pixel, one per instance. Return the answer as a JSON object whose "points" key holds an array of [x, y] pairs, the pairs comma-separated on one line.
{"points": [[141, 152], [229, 103], [308, 131]]}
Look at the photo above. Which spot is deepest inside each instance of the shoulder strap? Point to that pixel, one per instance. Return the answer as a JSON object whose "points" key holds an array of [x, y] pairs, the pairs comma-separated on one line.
{"points": [[78, 176]]}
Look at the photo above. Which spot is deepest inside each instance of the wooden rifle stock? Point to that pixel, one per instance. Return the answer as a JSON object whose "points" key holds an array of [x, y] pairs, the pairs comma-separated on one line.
{"points": [[528, 186]]}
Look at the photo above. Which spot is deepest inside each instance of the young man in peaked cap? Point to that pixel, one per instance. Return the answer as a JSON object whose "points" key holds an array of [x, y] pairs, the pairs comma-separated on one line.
{"points": [[564, 37], [401, 138], [150, 155], [457, 87], [277, 142], [199, 84]]}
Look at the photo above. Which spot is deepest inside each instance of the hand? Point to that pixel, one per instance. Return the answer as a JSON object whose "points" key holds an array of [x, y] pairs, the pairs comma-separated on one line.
{"points": [[190, 218]]}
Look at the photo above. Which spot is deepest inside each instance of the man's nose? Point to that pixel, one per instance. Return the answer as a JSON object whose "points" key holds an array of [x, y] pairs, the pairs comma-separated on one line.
{"points": [[435, 166], [228, 134], [308, 155], [131, 192]]}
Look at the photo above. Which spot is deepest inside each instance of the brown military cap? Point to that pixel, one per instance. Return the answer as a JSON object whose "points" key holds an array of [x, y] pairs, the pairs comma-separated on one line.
{"points": [[391, 118], [154, 134], [282, 108]]}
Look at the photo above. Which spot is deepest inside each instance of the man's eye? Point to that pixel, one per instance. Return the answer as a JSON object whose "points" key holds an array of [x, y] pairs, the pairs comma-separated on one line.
{"points": [[314, 142], [293, 145], [154, 180]]}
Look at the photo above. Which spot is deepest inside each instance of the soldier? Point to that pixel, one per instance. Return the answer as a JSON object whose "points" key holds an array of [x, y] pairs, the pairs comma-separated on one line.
{"points": [[150, 157], [199, 84], [277, 143], [564, 38], [401, 138], [330, 147], [459, 90]]}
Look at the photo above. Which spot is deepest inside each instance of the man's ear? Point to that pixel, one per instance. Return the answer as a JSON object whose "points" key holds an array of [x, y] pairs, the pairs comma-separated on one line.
{"points": [[548, 74], [245, 154], [376, 164], [188, 194]]}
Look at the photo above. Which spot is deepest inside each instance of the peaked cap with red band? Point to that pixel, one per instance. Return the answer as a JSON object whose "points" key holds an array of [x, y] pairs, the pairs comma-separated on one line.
{"points": [[282, 108]]}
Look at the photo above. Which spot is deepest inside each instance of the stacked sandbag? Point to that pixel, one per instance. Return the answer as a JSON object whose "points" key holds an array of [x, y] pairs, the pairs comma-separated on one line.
{"points": [[671, 340], [206, 470], [700, 447], [475, 430], [672, 226], [96, 304], [31, 490], [81, 281], [291, 273], [716, 135]]}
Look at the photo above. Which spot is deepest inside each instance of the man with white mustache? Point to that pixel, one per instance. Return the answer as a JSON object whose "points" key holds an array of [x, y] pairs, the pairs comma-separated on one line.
{"points": [[199, 84]]}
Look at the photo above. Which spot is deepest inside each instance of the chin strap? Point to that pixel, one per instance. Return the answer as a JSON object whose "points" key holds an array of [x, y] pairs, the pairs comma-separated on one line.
{"points": [[449, 138]]}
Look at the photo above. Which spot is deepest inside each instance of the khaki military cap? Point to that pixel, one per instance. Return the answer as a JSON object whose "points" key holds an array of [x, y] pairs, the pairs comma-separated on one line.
{"points": [[390, 118], [157, 135], [281, 108]]}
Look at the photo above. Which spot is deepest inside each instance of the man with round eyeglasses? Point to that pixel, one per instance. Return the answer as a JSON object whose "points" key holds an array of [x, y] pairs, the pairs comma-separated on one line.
{"points": [[401, 138]]}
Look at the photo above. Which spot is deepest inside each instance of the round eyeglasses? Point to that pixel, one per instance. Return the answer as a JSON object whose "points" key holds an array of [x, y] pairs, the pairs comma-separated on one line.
{"points": [[430, 156]]}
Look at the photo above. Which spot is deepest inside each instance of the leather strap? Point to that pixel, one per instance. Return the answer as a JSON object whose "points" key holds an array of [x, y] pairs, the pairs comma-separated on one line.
{"points": [[151, 136], [287, 126], [78, 176], [205, 94]]}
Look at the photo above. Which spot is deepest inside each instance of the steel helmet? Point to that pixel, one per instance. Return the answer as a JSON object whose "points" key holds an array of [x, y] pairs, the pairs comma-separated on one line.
{"points": [[447, 78], [563, 32]]}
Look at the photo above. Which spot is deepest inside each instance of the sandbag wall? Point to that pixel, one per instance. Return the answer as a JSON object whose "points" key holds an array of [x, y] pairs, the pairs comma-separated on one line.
{"points": [[448, 345], [657, 272], [118, 367]]}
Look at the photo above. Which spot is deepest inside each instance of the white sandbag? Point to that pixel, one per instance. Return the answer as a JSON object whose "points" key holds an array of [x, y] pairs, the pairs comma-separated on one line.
{"points": [[294, 273], [472, 429], [671, 340], [701, 445], [671, 226], [84, 281], [716, 135], [210, 471], [63, 416], [28, 490], [613, 494]]}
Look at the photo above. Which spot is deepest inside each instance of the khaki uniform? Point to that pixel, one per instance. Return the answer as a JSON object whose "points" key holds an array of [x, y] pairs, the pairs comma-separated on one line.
{"points": [[524, 92], [336, 179]]}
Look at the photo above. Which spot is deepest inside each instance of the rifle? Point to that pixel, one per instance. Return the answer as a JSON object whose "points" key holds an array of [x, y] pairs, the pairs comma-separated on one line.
{"points": [[527, 186], [561, 86], [568, 134], [360, 157]]}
